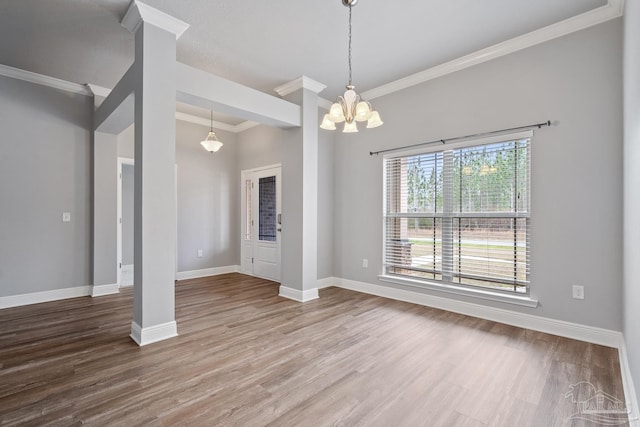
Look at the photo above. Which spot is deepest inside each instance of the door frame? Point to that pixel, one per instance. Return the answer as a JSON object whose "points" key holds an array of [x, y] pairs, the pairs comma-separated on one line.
{"points": [[243, 209], [131, 162], [121, 162]]}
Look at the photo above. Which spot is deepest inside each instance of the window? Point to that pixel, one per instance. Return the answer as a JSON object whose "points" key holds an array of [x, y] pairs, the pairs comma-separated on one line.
{"points": [[267, 209], [460, 215]]}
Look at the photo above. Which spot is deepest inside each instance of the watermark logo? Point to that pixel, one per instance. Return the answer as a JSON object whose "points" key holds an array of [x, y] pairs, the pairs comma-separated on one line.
{"points": [[595, 405]]}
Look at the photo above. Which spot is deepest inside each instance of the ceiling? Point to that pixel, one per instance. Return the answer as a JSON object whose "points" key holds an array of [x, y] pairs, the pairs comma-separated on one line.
{"points": [[263, 44]]}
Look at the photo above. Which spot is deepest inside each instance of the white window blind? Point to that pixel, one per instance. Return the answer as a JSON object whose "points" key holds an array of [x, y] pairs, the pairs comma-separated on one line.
{"points": [[461, 215]]}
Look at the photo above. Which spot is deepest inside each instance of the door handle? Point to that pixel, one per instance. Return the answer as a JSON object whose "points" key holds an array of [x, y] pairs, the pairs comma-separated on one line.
{"points": [[279, 219]]}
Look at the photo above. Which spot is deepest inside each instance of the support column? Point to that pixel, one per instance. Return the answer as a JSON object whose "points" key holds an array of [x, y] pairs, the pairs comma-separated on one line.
{"points": [[300, 194], [154, 203]]}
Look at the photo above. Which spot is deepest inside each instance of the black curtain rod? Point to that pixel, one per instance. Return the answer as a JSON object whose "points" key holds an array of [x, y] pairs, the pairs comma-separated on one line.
{"points": [[457, 138]]}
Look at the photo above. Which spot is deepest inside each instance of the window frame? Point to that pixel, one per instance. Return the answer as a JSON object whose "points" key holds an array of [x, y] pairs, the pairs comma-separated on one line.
{"points": [[520, 298]]}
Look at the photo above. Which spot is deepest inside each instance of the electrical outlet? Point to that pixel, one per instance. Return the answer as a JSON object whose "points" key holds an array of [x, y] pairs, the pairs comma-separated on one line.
{"points": [[200, 253], [365, 263], [578, 292], [66, 216]]}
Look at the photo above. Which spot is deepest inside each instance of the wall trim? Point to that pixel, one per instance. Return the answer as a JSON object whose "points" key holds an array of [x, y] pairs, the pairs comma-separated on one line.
{"points": [[204, 122], [561, 328], [41, 79], [241, 127], [213, 271], [155, 333], [44, 296], [613, 9], [302, 82], [139, 12], [631, 398], [327, 282], [95, 90], [298, 295], [101, 290]]}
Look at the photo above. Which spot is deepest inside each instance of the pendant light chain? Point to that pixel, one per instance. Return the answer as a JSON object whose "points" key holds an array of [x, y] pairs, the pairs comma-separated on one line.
{"points": [[211, 120], [350, 79]]}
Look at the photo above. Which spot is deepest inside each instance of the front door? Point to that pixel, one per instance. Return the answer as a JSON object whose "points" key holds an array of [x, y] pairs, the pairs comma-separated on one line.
{"points": [[261, 222]]}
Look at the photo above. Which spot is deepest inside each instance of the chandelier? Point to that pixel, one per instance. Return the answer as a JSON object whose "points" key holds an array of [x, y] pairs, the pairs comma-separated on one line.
{"points": [[211, 144], [351, 107]]}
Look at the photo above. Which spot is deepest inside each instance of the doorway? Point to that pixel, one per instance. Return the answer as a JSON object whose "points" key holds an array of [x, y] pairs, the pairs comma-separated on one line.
{"points": [[125, 201], [261, 222], [126, 172]]}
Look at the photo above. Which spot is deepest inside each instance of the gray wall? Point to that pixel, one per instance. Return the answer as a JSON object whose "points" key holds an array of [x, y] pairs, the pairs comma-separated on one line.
{"points": [[576, 165], [262, 145], [45, 170], [208, 197], [631, 186], [127, 214], [258, 146], [325, 201]]}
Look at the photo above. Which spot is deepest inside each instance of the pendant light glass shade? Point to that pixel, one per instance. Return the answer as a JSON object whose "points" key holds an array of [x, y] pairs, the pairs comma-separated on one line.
{"points": [[350, 127], [374, 121], [211, 143], [327, 123]]}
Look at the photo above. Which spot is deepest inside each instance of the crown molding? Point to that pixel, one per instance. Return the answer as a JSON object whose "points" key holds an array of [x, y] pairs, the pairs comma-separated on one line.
{"points": [[95, 90], [241, 127], [613, 9], [139, 12], [98, 90], [205, 122], [40, 79], [216, 125], [324, 103], [300, 83]]}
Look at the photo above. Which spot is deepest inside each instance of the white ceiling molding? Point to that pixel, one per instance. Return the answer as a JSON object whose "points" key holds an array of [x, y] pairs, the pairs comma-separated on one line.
{"points": [[204, 122], [244, 126], [299, 83], [613, 9], [91, 90], [28, 76], [139, 12], [99, 90], [324, 103]]}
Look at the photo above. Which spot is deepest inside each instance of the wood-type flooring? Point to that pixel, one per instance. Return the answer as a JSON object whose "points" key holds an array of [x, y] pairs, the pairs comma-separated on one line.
{"points": [[247, 357]]}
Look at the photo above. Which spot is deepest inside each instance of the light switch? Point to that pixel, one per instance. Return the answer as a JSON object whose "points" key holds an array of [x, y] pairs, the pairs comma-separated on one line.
{"points": [[66, 216], [200, 253]]}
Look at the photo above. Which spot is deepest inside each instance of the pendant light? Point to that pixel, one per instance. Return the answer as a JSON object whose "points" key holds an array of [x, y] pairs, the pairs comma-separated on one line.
{"points": [[211, 144], [351, 107]]}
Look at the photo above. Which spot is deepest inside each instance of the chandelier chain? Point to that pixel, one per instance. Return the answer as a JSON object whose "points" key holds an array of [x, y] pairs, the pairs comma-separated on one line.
{"points": [[350, 82]]}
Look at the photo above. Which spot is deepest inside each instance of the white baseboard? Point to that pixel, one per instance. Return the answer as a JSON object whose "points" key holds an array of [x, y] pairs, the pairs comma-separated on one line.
{"points": [[327, 282], [631, 399], [126, 275], [45, 296], [576, 331], [101, 290], [298, 295], [151, 334], [214, 271]]}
